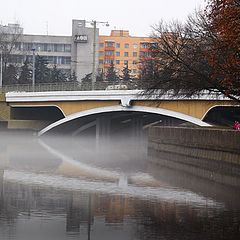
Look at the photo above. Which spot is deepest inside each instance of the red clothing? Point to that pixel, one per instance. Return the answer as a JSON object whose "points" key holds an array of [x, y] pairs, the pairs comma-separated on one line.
{"points": [[236, 126]]}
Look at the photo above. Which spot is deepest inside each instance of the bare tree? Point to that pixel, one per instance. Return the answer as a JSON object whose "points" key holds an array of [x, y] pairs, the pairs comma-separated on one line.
{"points": [[180, 59], [10, 42]]}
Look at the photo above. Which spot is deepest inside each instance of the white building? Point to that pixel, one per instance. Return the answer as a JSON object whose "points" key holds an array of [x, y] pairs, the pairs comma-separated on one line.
{"points": [[70, 53]]}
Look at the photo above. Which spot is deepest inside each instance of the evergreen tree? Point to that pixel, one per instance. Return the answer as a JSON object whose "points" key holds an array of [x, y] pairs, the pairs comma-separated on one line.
{"points": [[25, 73], [111, 74], [72, 77], [100, 76], [87, 78], [126, 73], [10, 75], [42, 72], [56, 75]]}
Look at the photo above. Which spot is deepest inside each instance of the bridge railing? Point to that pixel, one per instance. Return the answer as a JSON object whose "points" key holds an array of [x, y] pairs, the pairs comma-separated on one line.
{"points": [[117, 85], [74, 86]]}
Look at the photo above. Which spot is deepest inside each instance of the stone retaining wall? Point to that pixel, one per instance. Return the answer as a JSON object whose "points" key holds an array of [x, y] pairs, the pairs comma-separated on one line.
{"points": [[209, 153]]}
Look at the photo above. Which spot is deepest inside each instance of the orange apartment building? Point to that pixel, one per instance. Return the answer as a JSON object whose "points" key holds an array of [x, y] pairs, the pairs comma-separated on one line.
{"points": [[122, 49]]}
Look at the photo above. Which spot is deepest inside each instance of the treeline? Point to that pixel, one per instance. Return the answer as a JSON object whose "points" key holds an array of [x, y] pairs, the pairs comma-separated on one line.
{"points": [[111, 75], [13, 74]]}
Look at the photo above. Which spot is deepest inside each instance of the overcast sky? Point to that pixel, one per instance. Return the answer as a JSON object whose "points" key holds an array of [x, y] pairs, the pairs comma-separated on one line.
{"points": [[55, 16]]}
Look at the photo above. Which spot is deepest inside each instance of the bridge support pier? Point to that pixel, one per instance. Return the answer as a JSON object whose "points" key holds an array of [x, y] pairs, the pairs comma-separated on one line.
{"points": [[137, 126], [103, 125]]}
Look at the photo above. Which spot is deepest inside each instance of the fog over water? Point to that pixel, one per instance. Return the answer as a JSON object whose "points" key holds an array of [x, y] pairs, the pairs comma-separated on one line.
{"points": [[62, 187]]}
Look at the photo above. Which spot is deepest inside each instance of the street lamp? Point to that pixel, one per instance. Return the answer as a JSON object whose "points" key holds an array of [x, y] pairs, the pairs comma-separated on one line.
{"points": [[94, 23], [33, 68]]}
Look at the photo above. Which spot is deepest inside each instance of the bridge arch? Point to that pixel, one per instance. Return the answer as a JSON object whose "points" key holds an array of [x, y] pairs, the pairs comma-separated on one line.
{"points": [[222, 115], [159, 111]]}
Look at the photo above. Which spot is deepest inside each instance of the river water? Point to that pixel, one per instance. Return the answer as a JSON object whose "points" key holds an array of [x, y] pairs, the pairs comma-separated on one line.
{"points": [[67, 188]]}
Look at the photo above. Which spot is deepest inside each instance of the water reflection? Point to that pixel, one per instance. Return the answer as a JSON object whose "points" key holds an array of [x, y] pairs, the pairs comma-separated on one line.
{"points": [[49, 213], [56, 189]]}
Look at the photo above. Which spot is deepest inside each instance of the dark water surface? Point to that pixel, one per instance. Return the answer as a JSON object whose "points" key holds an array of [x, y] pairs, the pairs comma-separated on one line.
{"points": [[60, 188]]}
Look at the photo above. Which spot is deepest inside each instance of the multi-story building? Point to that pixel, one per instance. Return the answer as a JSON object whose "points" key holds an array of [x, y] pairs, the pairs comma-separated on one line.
{"points": [[75, 53], [121, 49], [70, 53]]}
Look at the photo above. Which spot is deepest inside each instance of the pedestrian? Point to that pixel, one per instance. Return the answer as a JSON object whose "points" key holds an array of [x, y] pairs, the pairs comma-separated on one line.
{"points": [[236, 126]]}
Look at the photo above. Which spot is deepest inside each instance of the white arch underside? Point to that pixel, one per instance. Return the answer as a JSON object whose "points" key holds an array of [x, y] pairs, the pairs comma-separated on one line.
{"points": [[159, 111]]}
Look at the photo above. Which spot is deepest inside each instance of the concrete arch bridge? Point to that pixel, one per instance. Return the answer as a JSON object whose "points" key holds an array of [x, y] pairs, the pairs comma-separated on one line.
{"points": [[111, 111]]}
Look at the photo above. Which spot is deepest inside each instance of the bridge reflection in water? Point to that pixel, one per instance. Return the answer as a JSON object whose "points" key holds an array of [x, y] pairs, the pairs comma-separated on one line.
{"points": [[73, 193]]}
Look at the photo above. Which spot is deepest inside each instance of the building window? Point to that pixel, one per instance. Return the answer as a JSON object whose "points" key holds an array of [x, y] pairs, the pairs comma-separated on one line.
{"points": [[101, 45], [134, 62], [60, 60], [47, 47], [58, 47], [101, 53], [135, 45], [126, 62], [117, 54], [18, 46], [109, 44], [117, 62], [109, 53], [145, 45], [100, 61], [126, 45], [67, 47], [125, 54], [39, 47], [134, 54], [65, 60], [118, 45], [144, 54], [108, 61], [27, 46], [154, 44], [68, 60]]}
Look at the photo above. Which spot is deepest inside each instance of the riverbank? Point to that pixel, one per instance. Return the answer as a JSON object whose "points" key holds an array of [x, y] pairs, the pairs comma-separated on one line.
{"points": [[209, 153]]}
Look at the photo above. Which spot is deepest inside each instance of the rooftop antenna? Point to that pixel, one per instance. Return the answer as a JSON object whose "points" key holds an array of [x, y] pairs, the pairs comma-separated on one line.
{"points": [[47, 27]]}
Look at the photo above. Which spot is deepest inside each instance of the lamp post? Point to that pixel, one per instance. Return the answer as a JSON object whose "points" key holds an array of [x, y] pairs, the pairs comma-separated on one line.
{"points": [[94, 54], [33, 69], [94, 23]]}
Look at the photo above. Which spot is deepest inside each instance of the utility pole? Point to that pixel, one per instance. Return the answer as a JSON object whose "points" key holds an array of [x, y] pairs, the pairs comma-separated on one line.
{"points": [[94, 54], [33, 69]]}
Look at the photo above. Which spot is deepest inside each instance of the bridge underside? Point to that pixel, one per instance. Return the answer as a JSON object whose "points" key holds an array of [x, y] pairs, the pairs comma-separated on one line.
{"points": [[114, 123], [46, 113], [117, 120], [222, 115]]}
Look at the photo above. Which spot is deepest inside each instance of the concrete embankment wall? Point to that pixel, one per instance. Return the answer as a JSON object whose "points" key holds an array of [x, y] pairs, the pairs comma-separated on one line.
{"points": [[4, 112], [213, 154]]}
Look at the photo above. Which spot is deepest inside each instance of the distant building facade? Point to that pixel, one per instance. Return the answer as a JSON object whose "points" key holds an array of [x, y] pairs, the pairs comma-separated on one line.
{"points": [[121, 49], [75, 53], [69, 53]]}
